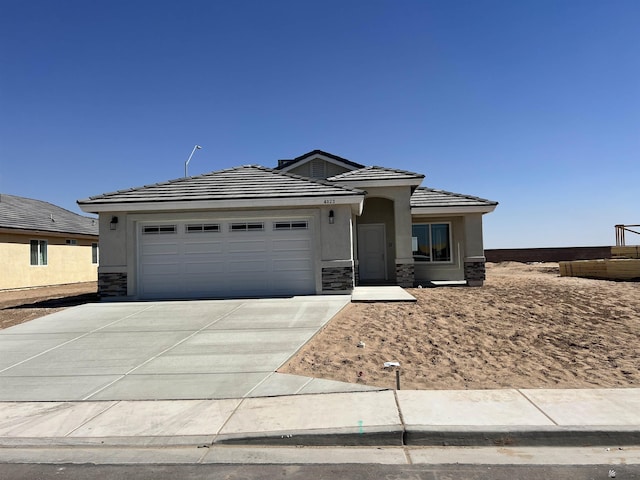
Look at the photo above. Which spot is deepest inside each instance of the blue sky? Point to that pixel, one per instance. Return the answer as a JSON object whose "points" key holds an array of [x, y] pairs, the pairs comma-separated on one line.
{"points": [[535, 104]]}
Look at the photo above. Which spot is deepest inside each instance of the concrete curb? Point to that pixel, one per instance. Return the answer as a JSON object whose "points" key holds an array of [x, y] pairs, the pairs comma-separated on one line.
{"points": [[495, 418], [426, 437]]}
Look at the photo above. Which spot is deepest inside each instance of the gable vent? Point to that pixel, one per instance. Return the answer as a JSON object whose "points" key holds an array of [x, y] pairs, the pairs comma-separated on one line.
{"points": [[318, 169]]}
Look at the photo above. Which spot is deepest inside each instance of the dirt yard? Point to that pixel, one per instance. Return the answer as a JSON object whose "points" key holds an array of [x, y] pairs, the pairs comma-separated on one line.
{"points": [[527, 327], [18, 306]]}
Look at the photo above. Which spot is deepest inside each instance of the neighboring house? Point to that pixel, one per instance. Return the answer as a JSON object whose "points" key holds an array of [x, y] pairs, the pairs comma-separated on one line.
{"points": [[316, 224], [42, 244]]}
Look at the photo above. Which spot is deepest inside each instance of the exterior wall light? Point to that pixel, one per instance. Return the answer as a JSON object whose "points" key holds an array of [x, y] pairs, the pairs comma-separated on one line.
{"points": [[114, 223], [332, 217]]}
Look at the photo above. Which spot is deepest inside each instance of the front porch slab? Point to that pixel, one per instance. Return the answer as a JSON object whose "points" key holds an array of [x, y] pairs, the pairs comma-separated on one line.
{"points": [[391, 293]]}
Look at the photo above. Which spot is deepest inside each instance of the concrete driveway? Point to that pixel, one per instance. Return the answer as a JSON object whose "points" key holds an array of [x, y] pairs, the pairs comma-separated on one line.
{"points": [[165, 350]]}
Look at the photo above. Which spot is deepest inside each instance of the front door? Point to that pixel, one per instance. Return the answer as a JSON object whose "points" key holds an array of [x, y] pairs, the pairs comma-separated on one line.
{"points": [[372, 258]]}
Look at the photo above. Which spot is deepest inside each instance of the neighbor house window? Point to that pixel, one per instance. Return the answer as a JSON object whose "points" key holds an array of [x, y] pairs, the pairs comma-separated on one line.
{"points": [[432, 242], [71, 241], [38, 252], [94, 253]]}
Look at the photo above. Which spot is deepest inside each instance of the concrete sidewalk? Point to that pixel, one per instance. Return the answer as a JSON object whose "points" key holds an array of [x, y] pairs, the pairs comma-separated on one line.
{"points": [[515, 418]]}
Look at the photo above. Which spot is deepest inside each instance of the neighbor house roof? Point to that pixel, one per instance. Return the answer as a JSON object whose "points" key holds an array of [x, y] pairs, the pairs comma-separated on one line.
{"points": [[20, 213], [430, 200], [282, 164], [246, 186]]}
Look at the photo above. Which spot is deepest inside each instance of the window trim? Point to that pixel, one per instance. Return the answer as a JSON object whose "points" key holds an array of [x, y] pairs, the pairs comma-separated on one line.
{"points": [[290, 225], [39, 243], [162, 229], [420, 259], [235, 227], [95, 253], [190, 228]]}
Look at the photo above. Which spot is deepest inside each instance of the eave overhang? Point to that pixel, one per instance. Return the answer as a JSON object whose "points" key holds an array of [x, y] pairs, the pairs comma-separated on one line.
{"points": [[46, 233], [453, 210], [356, 201]]}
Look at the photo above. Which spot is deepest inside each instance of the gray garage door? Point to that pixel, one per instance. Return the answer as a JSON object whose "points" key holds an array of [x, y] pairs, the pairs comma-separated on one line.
{"points": [[235, 258]]}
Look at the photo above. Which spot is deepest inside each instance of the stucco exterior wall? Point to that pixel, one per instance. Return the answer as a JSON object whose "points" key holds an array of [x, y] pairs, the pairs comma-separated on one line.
{"points": [[119, 256], [65, 263]]}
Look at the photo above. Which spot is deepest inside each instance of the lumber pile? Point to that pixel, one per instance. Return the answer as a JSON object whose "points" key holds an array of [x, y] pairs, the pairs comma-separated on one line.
{"points": [[625, 252], [614, 269]]}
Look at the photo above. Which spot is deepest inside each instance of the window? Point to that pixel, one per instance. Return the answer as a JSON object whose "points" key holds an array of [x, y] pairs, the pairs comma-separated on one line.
{"points": [[71, 241], [246, 227], [432, 242], [38, 252], [94, 253], [158, 229], [202, 227], [292, 225]]}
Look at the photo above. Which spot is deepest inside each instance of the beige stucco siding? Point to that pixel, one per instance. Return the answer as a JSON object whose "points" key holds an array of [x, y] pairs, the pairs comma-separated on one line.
{"points": [[65, 263]]}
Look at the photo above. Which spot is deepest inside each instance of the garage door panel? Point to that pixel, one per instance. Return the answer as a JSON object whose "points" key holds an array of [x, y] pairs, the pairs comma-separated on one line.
{"points": [[246, 265], [206, 248], [205, 268], [227, 263], [161, 249], [292, 265], [289, 245], [246, 246], [168, 268]]}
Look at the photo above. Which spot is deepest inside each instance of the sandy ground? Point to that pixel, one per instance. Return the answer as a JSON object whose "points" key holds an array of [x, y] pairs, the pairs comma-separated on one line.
{"points": [[17, 306], [527, 327]]}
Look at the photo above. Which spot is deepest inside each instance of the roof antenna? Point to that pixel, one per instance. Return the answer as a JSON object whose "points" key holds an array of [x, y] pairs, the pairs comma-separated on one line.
{"points": [[186, 164]]}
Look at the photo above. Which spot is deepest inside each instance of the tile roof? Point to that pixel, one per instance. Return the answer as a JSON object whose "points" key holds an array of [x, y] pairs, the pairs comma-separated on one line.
{"points": [[287, 163], [375, 173], [22, 213], [239, 183], [430, 197]]}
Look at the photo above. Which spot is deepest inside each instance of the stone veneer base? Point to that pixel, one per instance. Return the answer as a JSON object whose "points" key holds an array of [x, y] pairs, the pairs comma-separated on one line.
{"points": [[335, 279], [405, 275], [112, 285], [474, 273]]}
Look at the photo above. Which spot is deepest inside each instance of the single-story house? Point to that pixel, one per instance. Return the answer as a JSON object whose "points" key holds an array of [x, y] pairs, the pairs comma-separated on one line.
{"points": [[42, 244], [316, 224]]}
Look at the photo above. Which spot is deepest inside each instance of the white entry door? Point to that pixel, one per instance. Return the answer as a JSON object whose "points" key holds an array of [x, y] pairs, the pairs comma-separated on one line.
{"points": [[372, 258]]}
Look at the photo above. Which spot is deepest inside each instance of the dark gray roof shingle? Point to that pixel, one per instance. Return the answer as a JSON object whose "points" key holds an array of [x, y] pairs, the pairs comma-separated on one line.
{"points": [[239, 183], [22, 213], [376, 173], [430, 197]]}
